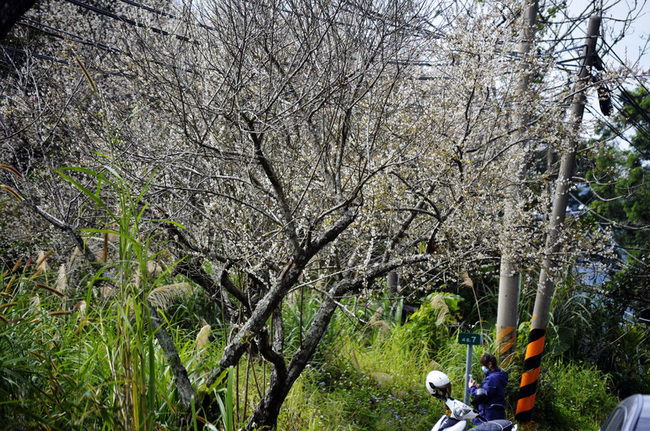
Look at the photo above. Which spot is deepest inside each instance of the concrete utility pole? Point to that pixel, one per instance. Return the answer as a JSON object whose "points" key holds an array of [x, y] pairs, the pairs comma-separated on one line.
{"points": [[550, 265], [509, 274]]}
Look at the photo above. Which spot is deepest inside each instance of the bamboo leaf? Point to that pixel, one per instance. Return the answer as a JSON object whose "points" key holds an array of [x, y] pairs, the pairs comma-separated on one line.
{"points": [[229, 401], [169, 222], [85, 190]]}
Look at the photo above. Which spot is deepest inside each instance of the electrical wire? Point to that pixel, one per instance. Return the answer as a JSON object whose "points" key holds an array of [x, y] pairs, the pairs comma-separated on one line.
{"points": [[567, 65], [562, 64], [49, 30], [130, 21], [162, 13], [59, 60]]}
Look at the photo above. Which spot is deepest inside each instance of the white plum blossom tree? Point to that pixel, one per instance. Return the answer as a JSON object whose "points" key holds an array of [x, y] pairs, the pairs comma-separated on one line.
{"points": [[295, 144]]}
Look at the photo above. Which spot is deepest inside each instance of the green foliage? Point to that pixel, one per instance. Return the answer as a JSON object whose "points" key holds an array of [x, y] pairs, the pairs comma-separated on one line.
{"points": [[428, 326], [219, 396], [69, 371], [91, 361], [52, 361], [298, 315], [348, 398], [376, 386], [596, 330], [377, 383], [622, 181], [573, 396], [619, 181]]}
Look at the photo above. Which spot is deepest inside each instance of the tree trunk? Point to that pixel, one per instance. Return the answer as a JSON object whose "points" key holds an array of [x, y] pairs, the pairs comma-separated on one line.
{"points": [[550, 264], [266, 414]]}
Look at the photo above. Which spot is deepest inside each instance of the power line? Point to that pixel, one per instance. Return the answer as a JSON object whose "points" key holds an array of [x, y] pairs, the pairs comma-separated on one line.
{"points": [[58, 60], [47, 29], [563, 65], [150, 9], [128, 20], [162, 13], [611, 52], [104, 12]]}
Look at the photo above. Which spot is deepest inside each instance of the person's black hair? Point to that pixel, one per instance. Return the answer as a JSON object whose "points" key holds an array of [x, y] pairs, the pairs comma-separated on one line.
{"points": [[488, 357]]}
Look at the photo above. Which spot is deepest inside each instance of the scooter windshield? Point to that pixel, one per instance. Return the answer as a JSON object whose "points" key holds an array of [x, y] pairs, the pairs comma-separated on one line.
{"points": [[460, 410]]}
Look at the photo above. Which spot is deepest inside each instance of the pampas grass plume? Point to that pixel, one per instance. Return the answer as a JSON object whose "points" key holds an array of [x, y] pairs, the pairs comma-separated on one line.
{"points": [[203, 338]]}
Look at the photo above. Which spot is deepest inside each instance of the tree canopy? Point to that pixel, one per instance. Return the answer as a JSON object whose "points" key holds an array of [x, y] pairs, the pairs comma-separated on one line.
{"points": [[258, 149]]}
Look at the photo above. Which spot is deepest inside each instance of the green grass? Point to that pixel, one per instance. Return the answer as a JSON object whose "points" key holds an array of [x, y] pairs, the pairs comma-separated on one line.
{"points": [[374, 380], [65, 368], [102, 370]]}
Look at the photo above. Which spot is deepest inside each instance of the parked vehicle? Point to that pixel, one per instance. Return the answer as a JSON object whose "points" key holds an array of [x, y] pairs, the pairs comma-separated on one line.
{"points": [[631, 414], [459, 414]]}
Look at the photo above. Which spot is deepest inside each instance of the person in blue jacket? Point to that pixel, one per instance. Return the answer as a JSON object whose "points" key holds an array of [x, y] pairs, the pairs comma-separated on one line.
{"points": [[490, 396]]}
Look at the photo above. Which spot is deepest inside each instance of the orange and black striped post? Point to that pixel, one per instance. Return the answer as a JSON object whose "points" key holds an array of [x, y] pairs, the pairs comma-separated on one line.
{"points": [[532, 362]]}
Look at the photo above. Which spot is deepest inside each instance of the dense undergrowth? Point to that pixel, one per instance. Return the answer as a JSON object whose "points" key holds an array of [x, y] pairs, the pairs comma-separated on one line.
{"points": [[73, 359], [375, 382]]}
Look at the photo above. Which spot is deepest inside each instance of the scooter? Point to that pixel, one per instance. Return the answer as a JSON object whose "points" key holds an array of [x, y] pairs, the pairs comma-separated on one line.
{"points": [[459, 413]]}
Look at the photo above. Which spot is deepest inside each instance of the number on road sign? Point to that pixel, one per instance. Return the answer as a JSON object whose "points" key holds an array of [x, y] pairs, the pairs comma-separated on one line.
{"points": [[469, 338]]}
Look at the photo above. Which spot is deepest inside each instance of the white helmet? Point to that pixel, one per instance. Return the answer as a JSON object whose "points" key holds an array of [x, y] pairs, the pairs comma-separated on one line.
{"points": [[438, 384]]}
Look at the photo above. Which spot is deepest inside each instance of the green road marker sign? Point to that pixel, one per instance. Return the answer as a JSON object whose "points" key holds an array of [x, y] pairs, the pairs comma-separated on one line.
{"points": [[470, 339]]}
